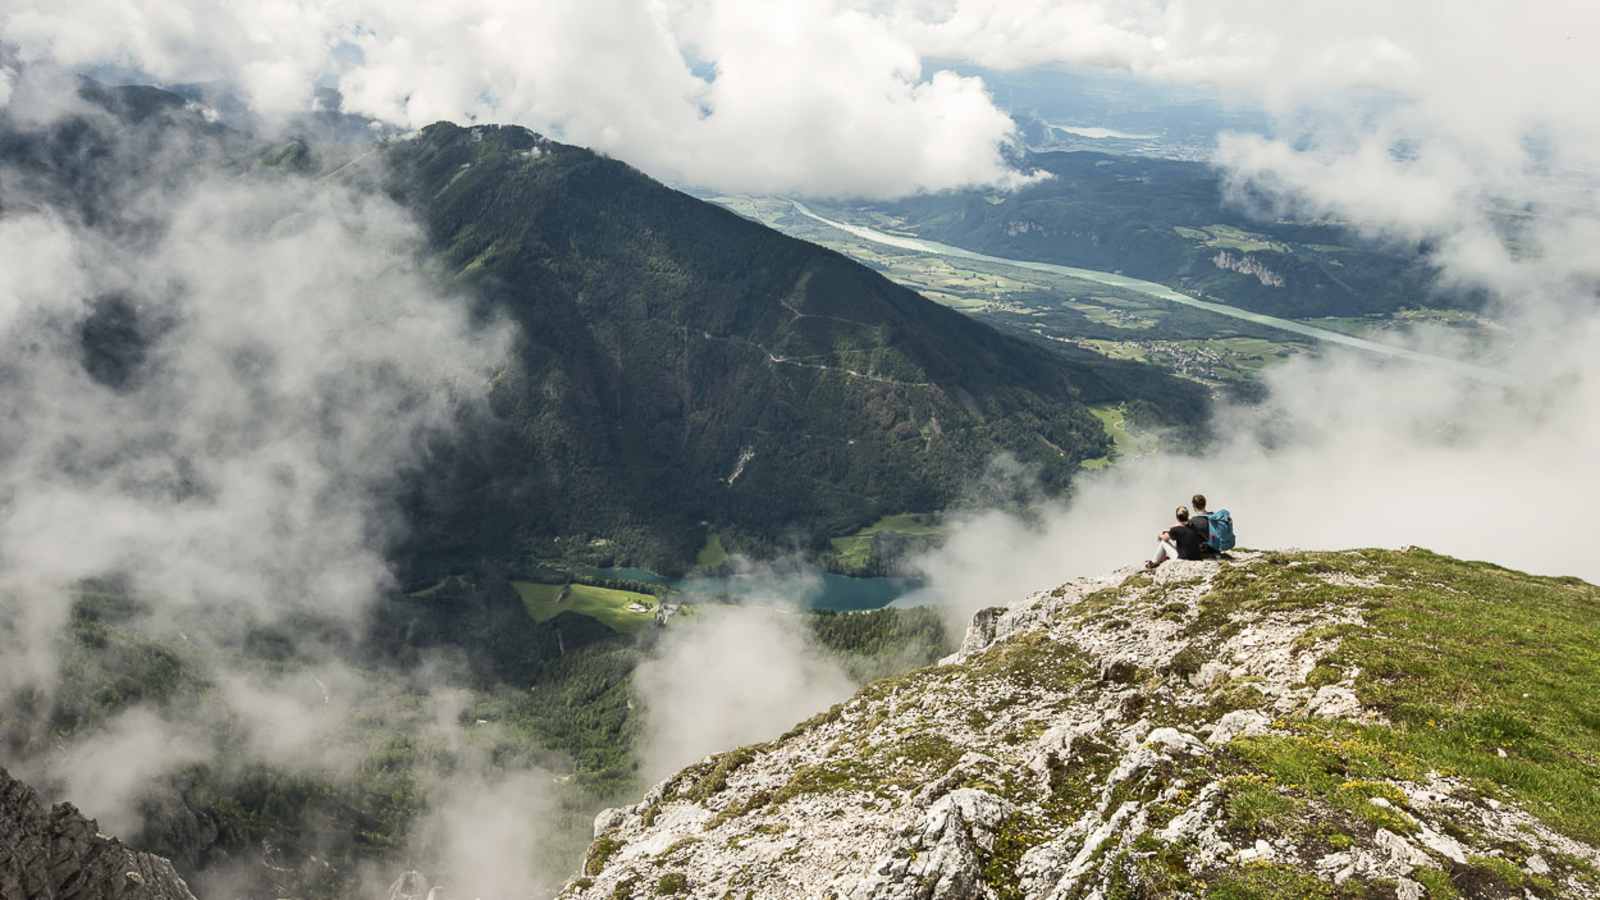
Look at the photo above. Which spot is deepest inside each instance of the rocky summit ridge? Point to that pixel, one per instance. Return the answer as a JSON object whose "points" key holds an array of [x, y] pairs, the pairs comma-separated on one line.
{"points": [[59, 854], [1359, 724]]}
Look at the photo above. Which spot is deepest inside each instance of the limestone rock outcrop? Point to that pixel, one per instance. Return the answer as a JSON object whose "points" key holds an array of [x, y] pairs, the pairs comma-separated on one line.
{"points": [[1203, 730], [59, 854]]}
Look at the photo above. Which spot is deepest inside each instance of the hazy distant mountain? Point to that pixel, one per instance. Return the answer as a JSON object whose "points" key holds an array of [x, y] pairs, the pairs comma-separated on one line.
{"points": [[1172, 221]]}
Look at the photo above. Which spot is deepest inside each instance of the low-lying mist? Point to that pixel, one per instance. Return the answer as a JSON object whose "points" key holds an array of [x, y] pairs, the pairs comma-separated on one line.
{"points": [[213, 378], [214, 375], [742, 674], [1340, 455], [1346, 450], [1498, 189]]}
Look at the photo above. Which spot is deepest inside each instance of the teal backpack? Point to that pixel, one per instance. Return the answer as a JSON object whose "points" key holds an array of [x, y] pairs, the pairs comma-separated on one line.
{"points": [[1220, 536]]}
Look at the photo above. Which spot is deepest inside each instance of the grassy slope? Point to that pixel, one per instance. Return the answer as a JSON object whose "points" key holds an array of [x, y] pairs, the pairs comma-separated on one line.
{"points": [[612, 607], [712, 555], [1465, 660], [1480, 673], [1127, 441], [854, 552]]}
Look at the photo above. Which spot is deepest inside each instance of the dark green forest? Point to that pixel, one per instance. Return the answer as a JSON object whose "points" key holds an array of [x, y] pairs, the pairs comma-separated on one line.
{"points": [[680, 365], [677, 370]]}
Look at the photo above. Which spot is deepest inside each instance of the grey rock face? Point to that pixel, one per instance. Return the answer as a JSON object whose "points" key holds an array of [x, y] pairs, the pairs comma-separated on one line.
{"points": [[1070, 750], [982, 631], [59, 854]]}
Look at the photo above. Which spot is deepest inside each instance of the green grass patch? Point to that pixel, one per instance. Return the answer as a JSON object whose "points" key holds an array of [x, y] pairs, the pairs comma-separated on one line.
{"points": [[1016, 836], [623, 611], [1502, 872], [898, 767], [1029, 661], [600, 852], [716, 779], [1228, 237], [1256, 808], [857, 552], [1278, 582], [1436, 883], [712, 555], [1127, 441], [1483, 672], [1269, 881], [672, 884], [1469, 659], [1322, 758]]}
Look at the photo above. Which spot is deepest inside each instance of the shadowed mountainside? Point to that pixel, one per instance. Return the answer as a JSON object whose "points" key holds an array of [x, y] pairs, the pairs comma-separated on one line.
{"points": [[681, 365]]}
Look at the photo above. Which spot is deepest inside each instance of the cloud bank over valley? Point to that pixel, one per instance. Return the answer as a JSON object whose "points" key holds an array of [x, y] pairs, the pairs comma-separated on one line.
{"points": [[217, 377]]}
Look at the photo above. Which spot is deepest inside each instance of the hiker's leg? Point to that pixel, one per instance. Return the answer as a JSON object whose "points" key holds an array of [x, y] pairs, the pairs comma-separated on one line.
{"points": [[1165, 550]]}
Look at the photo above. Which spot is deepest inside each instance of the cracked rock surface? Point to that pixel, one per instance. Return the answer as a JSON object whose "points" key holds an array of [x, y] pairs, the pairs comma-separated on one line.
{"points": [[1189, 732], [58, 854]]}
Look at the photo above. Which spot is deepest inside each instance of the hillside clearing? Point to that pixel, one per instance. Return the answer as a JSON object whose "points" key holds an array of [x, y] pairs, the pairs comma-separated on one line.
{"points": [[618, 610]]}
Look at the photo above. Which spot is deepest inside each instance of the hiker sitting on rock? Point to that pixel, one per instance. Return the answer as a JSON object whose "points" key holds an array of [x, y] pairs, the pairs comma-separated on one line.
{"points": [[1180, 541], [1200, 521], [1216, 528]]}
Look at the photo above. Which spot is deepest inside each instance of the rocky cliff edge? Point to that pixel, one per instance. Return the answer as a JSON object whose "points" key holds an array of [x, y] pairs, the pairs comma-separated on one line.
{"points": [[58, 854], [1358, 724]]}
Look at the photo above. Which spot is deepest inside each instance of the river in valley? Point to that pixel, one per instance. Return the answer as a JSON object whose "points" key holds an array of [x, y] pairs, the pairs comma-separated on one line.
{"points": [[1162, 292]]}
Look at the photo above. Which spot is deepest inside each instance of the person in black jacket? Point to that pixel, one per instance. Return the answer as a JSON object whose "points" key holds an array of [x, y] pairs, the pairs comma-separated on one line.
{"points": [[1199, 519], [1179, 541]]}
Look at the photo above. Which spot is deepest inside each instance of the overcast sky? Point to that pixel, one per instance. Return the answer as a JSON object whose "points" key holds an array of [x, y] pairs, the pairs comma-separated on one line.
{"points": [[835, 96]]}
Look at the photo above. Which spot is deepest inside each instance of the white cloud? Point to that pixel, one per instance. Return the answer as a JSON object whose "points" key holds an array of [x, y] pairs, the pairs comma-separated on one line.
{"points": [[1341, 455], [228, 446], [733, 675], [108, 776], [484, 831], [809, 97], [283, 388], [1017, 34], [831, 96]]}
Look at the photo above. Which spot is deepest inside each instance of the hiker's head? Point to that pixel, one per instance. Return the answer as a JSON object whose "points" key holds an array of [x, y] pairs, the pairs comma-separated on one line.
{"points": [[1183, 514], [1198, 501]]}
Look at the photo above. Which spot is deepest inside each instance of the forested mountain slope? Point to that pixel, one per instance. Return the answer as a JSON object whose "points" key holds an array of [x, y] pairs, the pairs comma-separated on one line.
{"points": [[679, 364], [678, 370]]}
